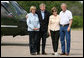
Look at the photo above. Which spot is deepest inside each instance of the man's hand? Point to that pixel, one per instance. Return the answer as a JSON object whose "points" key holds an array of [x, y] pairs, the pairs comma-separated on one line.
{"points": [[69, 25], [36, 29], [26, 16], [68, 29]]}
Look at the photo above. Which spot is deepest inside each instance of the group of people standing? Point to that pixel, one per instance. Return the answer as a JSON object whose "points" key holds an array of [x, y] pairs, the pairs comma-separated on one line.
{"points": [[40, 23]]}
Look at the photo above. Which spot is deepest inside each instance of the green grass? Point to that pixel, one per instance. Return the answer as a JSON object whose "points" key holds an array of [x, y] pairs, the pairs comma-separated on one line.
{"points": [[77, 28]]}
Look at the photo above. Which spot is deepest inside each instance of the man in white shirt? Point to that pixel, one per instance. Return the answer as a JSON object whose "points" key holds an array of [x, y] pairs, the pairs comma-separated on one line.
{"points": [[65, 28]]}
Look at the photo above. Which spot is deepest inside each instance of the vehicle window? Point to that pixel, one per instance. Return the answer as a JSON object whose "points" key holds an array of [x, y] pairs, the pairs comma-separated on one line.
{"points": [[3, 11], [22, 10], [10, 8], [7, 6], [19, 6], [16, 7]]}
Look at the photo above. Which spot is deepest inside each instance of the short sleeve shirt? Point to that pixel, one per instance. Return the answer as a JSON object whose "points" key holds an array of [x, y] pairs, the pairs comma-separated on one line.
{"points": [[65, 17]]}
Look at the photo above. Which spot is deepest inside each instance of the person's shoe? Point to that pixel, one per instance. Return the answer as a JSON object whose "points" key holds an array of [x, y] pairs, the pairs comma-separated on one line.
{"points": [[62, 54], [44, 53], [38, 53], [53, 53], [33, 53], [56, 54], [66, 54]]}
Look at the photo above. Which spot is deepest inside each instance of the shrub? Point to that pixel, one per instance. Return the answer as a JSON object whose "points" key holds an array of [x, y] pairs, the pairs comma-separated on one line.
{"points": [[74, 6], [77, 22]]}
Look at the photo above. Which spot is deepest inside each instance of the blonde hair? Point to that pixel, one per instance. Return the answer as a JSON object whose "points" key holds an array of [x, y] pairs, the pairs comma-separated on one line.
{"points": [[54, 9], [32, 7], [42, 4]]}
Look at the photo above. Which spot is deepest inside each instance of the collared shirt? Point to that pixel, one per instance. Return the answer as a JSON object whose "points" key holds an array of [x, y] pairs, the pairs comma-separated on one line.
{"points": [[32, 22], [65, 17], [42, 13], [54, 23]]}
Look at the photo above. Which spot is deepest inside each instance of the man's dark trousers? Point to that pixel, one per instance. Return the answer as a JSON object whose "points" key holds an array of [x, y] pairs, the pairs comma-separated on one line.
{"points": [[43, 29], [42, 35]]}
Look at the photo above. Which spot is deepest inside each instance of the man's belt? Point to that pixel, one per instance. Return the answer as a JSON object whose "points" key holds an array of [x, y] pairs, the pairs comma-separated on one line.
{"points": [[64, 25]]}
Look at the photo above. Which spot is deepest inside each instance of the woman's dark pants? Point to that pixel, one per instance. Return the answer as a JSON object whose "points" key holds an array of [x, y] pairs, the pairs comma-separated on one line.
{"points": [[33, 37], [55, 39]]}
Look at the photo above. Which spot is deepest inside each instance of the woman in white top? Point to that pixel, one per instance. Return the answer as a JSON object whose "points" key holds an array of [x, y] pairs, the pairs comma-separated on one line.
{"points": [[53, 29], [33, 29]]}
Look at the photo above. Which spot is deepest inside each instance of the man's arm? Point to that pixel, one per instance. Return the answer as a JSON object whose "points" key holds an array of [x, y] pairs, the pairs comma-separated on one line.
{"points": [[69, 25], [26, 16], [48, 17]]}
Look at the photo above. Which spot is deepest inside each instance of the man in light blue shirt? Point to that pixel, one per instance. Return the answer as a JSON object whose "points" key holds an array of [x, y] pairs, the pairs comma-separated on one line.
{"points": [[43, 15]]}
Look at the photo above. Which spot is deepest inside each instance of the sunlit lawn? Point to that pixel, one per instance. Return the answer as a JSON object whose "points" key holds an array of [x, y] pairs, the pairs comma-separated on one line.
{"points": [[77, 28]]}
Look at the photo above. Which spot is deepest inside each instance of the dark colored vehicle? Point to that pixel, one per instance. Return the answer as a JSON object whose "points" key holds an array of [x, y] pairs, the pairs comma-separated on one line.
{"points": [[13, 21]]}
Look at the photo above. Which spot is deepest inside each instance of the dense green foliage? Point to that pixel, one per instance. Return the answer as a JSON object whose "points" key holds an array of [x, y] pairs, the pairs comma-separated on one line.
{"points": [[74, 6], [77, 22]]}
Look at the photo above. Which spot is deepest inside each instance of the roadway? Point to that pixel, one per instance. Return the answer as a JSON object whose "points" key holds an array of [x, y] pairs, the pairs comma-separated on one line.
{"points": [[19, 46]]}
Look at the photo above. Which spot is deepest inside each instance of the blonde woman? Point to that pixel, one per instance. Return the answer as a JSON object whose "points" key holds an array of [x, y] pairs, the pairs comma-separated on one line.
{"points": [[53, 29], [33, 29]]}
